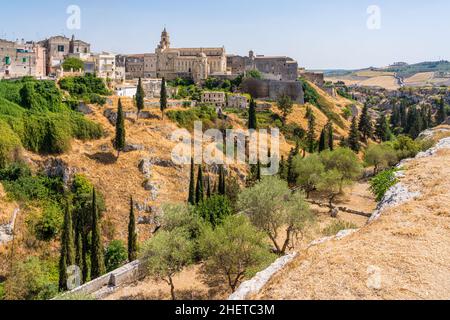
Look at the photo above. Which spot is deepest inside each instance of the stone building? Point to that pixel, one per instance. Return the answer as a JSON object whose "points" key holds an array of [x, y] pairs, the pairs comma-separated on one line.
{"points": [[237, 101], [279, 68], [216, 98], [315, 77], [19, 59], [195, 63], [134, 66], [59, 47]]}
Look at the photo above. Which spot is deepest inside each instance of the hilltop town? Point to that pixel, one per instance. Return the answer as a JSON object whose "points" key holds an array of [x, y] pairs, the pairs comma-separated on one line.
{"points": [[93, 204]]}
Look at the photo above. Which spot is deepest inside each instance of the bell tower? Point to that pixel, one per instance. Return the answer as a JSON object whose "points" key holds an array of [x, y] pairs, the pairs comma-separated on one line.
{"points": [[165, 40]]}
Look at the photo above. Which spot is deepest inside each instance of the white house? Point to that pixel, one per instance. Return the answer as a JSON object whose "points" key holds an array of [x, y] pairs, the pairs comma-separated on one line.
{"points": [[126, 90], [105, 65]]}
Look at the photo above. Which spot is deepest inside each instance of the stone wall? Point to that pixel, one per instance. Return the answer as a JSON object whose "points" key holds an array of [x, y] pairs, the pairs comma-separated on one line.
{"points": [[268, 89], [315, 77], [125, 275]]}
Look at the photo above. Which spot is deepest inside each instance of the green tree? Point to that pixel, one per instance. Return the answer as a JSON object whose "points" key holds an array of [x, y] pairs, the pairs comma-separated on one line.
{"points": [[214, 210], [67, 251], [309, 171], [222, 181], [163, 97], [191, 199], [285, 105], [354, 137], [273, 208], [311, 133], [322, 141], [73, 64], [365, 123], [200, 190], [380, 156], [167, 253], [345, 162], [119, 141], [139, 98], [382, 129], [252, 120], [330, 136], [132, 235], [97, 259], [115, 255], [232, 251], [441, 114], [330, 184]]}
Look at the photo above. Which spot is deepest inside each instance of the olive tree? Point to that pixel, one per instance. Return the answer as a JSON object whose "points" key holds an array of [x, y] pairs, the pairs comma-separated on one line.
{"points": [[308, 171], [380, 156], [167, 253], [272, 206], [233, 250], [330, 185], [344, 161]]}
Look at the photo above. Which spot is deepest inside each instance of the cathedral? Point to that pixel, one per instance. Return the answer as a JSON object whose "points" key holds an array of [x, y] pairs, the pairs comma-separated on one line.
{"points": [[195, 63]]}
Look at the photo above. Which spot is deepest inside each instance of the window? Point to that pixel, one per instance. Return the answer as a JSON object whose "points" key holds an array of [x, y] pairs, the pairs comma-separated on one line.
{"points": [[60, 48]]}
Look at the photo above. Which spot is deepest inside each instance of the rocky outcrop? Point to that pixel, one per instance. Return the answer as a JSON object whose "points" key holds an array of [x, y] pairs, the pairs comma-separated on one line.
{"points": [[55, 167], [7, 230]]}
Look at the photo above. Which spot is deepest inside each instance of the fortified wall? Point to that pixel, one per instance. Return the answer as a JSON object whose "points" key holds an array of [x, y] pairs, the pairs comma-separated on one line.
{"points": [[268, 89]]}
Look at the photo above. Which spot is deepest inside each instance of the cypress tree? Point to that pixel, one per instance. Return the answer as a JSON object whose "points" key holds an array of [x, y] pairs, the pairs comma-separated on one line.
{"points": [[252, 120], [330, 136], [365, 123], [322, 141], [79, 248], [258, 171], [282, 170], [199, 192], [67, 257], [119, 141], [191, 199], [140, 95], [222, 187], [353, 138], [132, 235], [382, 130], [291, 175], [395, 116], [441, 115], [208, 188], [429, 117], [163, 97], [403, 116], [97, 260], [311, 134]]}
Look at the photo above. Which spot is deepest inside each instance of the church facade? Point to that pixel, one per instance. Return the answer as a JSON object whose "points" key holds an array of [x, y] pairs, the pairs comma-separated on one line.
{"points": [[195, 63]]}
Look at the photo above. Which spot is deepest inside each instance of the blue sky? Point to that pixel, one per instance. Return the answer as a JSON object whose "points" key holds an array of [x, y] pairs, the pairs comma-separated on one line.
{"points": [[320, 34]]}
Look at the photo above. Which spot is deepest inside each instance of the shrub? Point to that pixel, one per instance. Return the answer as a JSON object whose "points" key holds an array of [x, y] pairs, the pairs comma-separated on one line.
{"points": [[116, 255], [406, 147], [49, 224], [2, 291], [186, 118], [380, 156], [382, 182], [338, 226], [214, 210], [73, 63], [10, 145], [178, 216], [32, 279]]}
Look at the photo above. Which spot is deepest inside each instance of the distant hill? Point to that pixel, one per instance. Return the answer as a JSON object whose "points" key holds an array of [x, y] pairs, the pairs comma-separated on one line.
{"points": [[430, 73], [412, 69]]}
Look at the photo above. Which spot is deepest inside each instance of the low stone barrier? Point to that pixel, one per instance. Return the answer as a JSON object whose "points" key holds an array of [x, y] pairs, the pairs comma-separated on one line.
{"points": [[127, 274]]}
